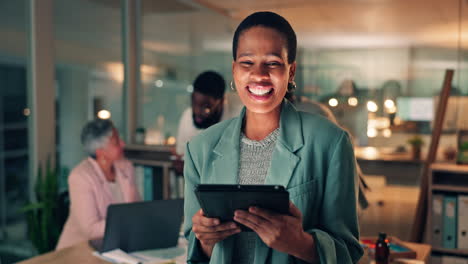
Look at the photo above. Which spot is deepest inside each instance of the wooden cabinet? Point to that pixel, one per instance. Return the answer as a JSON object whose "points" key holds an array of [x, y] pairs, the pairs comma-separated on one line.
{"points": [[165, 182], [448, 188]]}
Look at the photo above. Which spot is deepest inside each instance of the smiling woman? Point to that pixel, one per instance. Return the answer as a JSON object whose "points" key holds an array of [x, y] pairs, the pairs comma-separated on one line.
{"points": [[261, 69], [272, 143]]}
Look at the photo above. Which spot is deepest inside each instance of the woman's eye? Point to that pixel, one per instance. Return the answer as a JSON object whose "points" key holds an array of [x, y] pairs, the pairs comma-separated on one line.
{"points": [[273, 64]]}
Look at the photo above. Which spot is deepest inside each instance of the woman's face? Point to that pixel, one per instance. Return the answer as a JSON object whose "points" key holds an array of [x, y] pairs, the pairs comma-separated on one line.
{"points": [[261, 70], [113, 150]]}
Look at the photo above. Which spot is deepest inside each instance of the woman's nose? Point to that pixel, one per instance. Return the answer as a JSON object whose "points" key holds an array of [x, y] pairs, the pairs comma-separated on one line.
{"points": [[260, 72]]}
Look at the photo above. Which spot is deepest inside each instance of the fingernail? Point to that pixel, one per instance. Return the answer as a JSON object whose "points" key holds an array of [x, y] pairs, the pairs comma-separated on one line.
{"points": [[216, 222]]}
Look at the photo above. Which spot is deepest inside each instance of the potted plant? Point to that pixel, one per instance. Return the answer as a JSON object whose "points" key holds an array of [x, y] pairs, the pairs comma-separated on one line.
{"points": [[43, 218], [416, 143], [463, 153], [462, 157]]}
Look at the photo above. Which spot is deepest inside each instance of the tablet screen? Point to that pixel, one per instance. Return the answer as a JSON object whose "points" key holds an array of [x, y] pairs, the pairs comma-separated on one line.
{"points": [[222, 200]]}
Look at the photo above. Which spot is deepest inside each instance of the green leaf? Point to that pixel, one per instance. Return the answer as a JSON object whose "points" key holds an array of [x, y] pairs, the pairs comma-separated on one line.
{"points": [[31, 207], [41, 215]]}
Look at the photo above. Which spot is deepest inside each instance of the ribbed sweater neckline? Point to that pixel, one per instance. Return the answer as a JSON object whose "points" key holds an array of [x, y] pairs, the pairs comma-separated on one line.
{"points": [[271, 138]]}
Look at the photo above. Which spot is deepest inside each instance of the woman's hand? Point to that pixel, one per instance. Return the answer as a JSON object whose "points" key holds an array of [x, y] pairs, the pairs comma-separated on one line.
{"points": [[209, 231], [281, 232]]}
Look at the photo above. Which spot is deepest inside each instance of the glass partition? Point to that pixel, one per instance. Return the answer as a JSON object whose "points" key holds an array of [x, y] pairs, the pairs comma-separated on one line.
{"points": [[171, 62], [14, 131], [13, 120], [89, 72]]}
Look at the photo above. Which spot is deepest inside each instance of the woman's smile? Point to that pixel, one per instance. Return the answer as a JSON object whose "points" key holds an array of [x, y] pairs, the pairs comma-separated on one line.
{"points": [[260, 91]]}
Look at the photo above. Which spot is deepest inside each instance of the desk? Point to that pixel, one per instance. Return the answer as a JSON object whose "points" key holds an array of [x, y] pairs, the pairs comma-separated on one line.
{"points": [[83, 254], [383, 154], [80, 253], [423, 253], [398, 168]]}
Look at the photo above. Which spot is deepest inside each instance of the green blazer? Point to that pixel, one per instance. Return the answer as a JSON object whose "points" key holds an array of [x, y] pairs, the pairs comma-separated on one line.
{"points": [[313, 159]]}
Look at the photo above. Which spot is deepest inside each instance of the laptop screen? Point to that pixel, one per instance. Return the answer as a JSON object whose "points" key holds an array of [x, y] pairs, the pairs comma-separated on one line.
{"points": [[142, 225]]}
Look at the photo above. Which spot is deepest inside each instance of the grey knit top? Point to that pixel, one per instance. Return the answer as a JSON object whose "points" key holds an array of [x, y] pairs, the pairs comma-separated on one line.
{"points": [[254, 161]]}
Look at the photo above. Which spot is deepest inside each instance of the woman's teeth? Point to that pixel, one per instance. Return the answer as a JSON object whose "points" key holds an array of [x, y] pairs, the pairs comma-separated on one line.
{"points": [[260, 91]]}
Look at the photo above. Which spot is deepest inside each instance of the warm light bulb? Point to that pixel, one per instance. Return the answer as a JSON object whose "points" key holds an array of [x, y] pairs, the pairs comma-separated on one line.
{"points": [[352, 101], [333, 102], [371, 132], [372, 106], [389, 104], [104, 114]]}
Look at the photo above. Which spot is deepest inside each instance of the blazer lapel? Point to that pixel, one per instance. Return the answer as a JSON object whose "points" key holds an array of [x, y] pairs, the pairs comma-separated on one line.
{"points": [[226, 159], [284, 159], [225, 167]]}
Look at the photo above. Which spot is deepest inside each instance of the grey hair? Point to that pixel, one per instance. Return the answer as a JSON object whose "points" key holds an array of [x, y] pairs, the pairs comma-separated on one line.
{"points": [[96, 134]]}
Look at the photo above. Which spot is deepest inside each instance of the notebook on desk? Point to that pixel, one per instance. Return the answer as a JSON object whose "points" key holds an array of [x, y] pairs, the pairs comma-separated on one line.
{"points": [[141, 225]]}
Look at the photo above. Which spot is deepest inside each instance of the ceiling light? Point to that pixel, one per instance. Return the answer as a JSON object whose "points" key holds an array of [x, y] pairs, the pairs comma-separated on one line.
{"points": [[104, 114], [333, 102], [371, 132], [353, 101], [389, 104], [159, 83], [372, 106]]}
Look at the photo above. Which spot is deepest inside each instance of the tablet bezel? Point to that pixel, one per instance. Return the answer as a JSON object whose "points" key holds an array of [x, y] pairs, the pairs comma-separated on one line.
{"points": [[271, 197]]}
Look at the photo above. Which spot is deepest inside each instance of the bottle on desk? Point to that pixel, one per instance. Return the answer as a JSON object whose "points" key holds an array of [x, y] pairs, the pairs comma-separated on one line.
{"points": [[382, 251]]}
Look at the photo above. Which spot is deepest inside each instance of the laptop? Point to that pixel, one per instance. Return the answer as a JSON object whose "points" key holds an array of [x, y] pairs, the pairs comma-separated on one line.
{"points": [[141, 226]]}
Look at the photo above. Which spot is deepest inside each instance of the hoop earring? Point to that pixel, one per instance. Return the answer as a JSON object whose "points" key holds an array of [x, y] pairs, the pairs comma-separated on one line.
{"points": [[291, 86], [232, 86]]}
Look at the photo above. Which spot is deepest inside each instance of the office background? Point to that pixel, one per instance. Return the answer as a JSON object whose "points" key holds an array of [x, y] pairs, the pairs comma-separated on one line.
{"points": [[62, 61]]}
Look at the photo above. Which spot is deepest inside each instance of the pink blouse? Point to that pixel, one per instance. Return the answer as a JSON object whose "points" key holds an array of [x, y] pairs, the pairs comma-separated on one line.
{"points": [[90, 195]]}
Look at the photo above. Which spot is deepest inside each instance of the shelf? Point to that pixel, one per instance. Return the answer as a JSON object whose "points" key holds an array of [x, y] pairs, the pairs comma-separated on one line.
{"points": [[14, 126], [448, 188], [449, 167], [461, 252], [143, 147], [157, 163], [157, 153], [10, 154], [384, 155]]}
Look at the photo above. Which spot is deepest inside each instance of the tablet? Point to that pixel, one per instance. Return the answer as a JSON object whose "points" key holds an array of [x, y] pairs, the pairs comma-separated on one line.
{"points": [[221, 200]]}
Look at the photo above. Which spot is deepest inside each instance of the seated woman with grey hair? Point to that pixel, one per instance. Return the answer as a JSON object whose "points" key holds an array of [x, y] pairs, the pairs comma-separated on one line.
{"points": [[103, 178]]}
